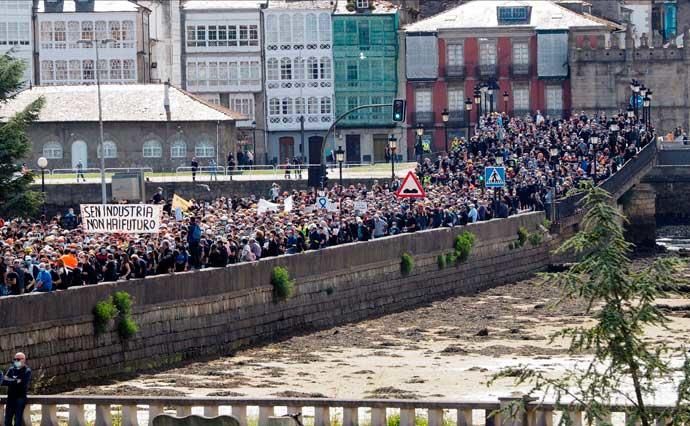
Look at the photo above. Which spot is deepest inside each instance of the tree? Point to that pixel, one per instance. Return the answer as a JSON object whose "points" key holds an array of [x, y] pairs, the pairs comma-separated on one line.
{"points": [[621, 299], [15, 197]]}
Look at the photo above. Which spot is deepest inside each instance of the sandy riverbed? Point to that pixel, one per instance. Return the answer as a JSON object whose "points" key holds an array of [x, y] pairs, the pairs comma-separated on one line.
{"points": [[446, 350]]}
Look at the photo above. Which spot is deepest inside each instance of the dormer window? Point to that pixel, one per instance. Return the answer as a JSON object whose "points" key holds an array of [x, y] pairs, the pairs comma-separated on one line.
{"points": [[513, 15], [362, 4]]}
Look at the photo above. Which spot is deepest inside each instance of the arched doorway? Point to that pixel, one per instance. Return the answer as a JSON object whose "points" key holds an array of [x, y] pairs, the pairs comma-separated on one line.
{"points": [[79, 153]]}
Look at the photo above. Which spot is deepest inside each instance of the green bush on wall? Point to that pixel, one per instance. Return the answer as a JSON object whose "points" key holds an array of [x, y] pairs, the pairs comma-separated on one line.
{"points": [[463, 245], [535, 238], [123, 302], [441, 261], [117, 305], [283, 286], [406, 264], [127, 327], [522, 236], [103, 313]]}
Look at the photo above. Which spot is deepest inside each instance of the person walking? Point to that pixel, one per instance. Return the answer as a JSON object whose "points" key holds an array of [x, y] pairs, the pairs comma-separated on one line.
{"points": [[80, 171], [195, 168], [213, 169], [17, 379]]}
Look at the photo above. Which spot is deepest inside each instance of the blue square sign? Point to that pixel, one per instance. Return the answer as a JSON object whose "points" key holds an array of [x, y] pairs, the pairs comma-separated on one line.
{"points": [[495, 177]]}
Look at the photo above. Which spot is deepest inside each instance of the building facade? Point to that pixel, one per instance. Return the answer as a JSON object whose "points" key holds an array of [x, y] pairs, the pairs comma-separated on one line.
{"points": [[222, 62], [165, 34], [365, 55], [65, 55], [299, 79], [517, 48], [15, 33], [145, 125]]}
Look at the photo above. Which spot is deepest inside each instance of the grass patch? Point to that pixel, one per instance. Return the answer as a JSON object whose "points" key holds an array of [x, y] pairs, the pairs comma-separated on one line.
{"points": [[441, 261], [123, 302], [118, 306], [522, 236], [406, 264], [283, 286], [463, 245], [127, 327], [103, 313], [535, 239]]}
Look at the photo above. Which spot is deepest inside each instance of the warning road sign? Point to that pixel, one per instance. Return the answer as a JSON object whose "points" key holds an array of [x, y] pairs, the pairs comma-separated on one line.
{"points": [[495, 177], [411, 187]]}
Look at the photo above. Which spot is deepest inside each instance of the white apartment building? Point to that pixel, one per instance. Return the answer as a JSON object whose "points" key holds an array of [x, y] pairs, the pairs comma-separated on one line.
{"points": [[15, 32], [299, 77], [64, 58]]}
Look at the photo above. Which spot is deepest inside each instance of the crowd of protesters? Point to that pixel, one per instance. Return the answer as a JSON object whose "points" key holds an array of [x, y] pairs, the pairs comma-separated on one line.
{"points": [[540, 156]]}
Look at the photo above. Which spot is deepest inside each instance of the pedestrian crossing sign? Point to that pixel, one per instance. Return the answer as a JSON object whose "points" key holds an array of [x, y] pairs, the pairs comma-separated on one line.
{"points": [[495, 177]]}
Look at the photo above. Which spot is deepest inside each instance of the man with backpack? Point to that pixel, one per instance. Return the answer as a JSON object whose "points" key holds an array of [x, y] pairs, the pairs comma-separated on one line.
{"points": [[193, 241]]}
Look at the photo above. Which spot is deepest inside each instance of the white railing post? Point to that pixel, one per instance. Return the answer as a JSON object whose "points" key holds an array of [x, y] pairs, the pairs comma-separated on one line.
{"points": [[406, 417], [129, 415], [49, 415], [104, 416], [264, 413], [76, 415], [464, 417], [183, 410], [322, 416], [575, 417], [435, 417], [154, 410], [240, 413], [26, 415], [544, 417], [350, 416], [378, 417], [210, 411]]}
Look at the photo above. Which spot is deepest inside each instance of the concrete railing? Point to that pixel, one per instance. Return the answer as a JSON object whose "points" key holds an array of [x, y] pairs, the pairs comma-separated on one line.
{"points": [[129, 411]]}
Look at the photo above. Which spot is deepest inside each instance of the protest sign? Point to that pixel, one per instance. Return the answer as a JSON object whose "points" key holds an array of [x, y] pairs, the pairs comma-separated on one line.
{"points": [[121, 218], [361, 206]]}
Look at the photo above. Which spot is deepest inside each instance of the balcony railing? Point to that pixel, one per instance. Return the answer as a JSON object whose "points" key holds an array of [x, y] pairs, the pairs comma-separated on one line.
{"points": [[457, 71], [424, 117], [457, 118], [518, 70], [521, 112], [487, 70]]}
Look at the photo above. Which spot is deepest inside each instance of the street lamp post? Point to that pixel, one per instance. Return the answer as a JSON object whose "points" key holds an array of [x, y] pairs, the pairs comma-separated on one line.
{"points": [[254, 140], [614, 128], [478, 101], [490, 90], [482, 90], [594, 142], [340, 157], [631, 113], [445, 116], [505, 101], [392, 146], [645, 112], [468, 110], [418, 146], [635, 87], [95, 43], [42, 164], [650, 95], [554, 152]]}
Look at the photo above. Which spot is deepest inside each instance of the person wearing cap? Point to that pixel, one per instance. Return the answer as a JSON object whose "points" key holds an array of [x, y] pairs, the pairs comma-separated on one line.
{"points": [[18, 380]]}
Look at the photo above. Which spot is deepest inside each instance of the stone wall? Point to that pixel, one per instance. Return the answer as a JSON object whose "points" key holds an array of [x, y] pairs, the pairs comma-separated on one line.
{"points": [[217, 311]]}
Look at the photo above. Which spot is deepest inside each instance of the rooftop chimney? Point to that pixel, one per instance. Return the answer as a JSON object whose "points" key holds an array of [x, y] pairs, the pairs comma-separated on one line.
{"points": [[84, 5]]}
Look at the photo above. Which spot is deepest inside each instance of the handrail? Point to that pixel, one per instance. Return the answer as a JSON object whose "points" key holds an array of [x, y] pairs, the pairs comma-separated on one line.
{"points": [[128, 169], [200, 169], [74, 171]]}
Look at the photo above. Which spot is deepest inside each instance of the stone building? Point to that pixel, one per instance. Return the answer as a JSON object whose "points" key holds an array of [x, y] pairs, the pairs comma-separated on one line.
{"points": [[15, 33], [64, 56], [365, 55], [145, 125], [600, 78]]}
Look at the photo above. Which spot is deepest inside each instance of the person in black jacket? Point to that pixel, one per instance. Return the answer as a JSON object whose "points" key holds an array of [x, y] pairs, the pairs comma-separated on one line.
{"points": [[17, 379]]}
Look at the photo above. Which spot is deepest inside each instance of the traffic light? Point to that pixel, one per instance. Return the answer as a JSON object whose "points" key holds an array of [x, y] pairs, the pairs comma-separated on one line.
{"points": [[398, 110]]}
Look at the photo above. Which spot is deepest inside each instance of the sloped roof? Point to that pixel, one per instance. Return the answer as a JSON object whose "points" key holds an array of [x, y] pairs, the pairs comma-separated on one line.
{"points": [[99, 6], [380, 7], [202, 5], [121, 102], [478, 14]]}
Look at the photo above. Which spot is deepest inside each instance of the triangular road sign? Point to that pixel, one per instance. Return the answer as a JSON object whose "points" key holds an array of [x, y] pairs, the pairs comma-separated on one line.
{"points": [[411, 187]]}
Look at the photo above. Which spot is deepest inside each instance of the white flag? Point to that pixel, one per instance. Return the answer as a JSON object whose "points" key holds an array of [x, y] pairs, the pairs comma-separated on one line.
{"points": [[265, 206]]}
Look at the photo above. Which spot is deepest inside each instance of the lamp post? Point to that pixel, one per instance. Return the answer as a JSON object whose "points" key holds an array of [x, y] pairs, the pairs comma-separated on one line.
{"points": [[650, 95], [614, 128], [418, 146], [594, 142], [631, 113], [468, 110], [254, 140], [490, 90], [554, 153], [445, 116], [42, 164], [635, 87], [95, 44], [478, 101], [392, 146], [482, 90], [340, 157], [505, 101], [645, 112]]}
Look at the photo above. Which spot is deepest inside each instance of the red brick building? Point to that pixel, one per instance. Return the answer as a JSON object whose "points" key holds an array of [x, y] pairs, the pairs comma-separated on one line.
{"points": [[518, 48]]}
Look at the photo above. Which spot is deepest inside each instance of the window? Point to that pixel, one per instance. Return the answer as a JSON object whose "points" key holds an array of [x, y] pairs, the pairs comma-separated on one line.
{"points": [[456, 54], [201, 36], [274, 106], [313, 105], [61, 70], [362, 4], [249, 35], [312, 68], [298, 28], [201, 73], [60, 35], [520, 98], [109, 148], [213, 73], [363, 33], [87, 70], [272, 29], [326, 105], [87, 30], [324, 27], [244, 104], [178, 149], [456, 99], [325, 68], [204, 149], [311, 32], [115, 32], [101, 28], [191, 36], [223, 79], [52, 151], [73, 34], [192, 78], [285, 28], [352, 71], [554, 100], [24, 34], [152, 149], [128, 34], [286, 106], [299, 69], [511, 15], [47, 71], [422, 100], [487, 52], [285, 69], [520, 53], [115, 70], [299, 105], [272, 71], [3, 33], [46, 35], [75, 70], [102, 69], [128, 70]]}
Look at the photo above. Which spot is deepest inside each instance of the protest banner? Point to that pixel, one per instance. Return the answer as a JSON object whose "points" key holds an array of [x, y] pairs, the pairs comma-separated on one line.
{"points": [[266, 206], [121, 218]]}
